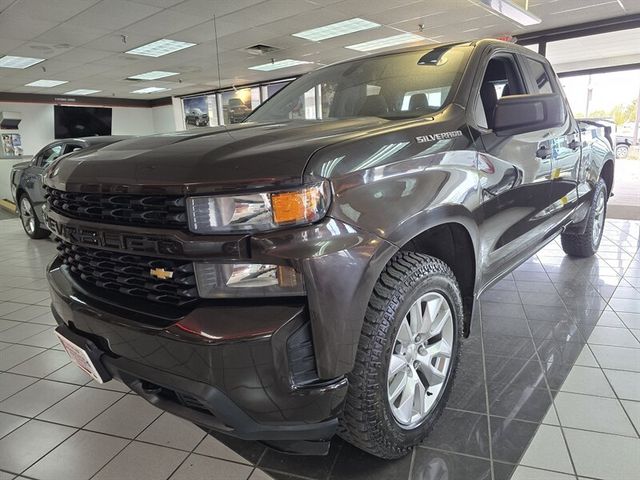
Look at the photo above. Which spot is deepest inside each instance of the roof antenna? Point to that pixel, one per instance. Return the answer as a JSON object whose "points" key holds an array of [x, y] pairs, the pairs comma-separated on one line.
{"points": [[215, 32]]}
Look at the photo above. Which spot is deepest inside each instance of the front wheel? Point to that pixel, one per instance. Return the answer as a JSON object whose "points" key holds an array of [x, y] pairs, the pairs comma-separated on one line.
{"points": [[29, 219], [406, 357], [586, 244]]}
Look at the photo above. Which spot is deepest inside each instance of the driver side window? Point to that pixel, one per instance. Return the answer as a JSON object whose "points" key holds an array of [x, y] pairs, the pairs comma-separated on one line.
{"points": [[501, 78], [50, 154]]}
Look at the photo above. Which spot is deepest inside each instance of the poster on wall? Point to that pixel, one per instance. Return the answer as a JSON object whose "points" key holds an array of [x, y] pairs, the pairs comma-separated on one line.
{"points": [[196, 111], [11, 145]]}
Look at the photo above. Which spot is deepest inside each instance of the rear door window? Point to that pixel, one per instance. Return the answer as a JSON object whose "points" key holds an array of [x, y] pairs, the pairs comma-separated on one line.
{"points": [[539, 75]]}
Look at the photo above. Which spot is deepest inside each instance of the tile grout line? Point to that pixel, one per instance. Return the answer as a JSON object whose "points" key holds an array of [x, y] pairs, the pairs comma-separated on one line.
{"points": [[486, 390], [552, 398]]}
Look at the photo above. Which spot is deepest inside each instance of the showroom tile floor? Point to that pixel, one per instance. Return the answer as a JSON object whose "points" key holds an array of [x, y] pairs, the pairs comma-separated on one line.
{"points": [[548, 388]]}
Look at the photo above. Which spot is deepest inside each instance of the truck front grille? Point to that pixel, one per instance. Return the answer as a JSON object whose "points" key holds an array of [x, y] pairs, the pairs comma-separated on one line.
{"points": [[132, 274], [120, 209]]}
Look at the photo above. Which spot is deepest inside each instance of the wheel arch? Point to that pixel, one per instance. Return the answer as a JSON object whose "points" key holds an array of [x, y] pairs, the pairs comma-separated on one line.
{"points": [[607, 174], [454, 243]]}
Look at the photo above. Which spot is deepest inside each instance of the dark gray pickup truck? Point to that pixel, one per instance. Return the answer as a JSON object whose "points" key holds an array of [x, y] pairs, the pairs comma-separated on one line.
{"points": [[314, 269]]}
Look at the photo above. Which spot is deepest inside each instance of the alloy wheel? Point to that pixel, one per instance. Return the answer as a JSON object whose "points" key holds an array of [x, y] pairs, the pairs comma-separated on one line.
{"points": [[421, 359], [598, 221], [27, 215]]}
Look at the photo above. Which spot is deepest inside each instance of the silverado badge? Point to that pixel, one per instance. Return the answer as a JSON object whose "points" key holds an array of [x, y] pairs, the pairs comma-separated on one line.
{"points": [[438, 136], [161, 273]]}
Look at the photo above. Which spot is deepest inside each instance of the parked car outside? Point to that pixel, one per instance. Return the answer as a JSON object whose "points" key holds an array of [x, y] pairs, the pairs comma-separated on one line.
{"points": [[237, 110], [197, 117], [26, 179], [286, 279]]}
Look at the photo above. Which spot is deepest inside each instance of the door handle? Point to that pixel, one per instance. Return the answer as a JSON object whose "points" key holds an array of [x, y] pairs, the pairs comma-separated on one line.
{"points": [[574, 144], [543, 152]]}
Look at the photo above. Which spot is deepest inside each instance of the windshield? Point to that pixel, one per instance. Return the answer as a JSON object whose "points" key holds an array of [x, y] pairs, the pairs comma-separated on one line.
{"points": [[401, 85]]}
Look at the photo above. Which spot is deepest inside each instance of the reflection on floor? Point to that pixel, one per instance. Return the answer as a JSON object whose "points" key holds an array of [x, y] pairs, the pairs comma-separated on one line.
{"points": [[548, 388]]}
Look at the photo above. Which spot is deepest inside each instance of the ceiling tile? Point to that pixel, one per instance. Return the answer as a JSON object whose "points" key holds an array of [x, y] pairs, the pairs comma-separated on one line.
{"points": [[207, 8], [113, 14], [51, 10], [22, 27], [159, 3], [163, 24], [119, 42], [8, 44], [74, 35], [269, 11], [83, 55]]}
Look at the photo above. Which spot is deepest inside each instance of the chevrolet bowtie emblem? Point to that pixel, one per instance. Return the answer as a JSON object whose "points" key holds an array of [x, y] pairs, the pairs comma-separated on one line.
{"points": [[161, 273]]}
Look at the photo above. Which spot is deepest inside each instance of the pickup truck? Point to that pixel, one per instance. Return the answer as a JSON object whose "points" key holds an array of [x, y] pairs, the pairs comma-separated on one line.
{"points": [[26, 179], [313, 271]]}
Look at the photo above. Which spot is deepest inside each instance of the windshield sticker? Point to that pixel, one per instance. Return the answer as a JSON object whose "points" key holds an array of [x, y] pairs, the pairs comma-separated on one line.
{"points": [[438, 136]]}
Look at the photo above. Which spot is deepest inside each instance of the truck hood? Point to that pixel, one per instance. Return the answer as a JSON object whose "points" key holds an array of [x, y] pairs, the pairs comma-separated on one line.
{"points": [[206, 160]]}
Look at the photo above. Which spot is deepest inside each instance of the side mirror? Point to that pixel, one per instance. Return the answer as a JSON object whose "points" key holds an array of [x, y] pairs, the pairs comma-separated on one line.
{"points": [[516, 114]]}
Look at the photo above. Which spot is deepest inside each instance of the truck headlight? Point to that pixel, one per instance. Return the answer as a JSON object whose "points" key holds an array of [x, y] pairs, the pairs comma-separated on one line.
{"points": [[224, 280], [258, 211]]}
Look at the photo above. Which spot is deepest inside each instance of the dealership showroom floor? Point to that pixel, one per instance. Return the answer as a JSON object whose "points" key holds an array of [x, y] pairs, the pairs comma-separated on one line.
{"points": [[548, 388], [548, 381]]}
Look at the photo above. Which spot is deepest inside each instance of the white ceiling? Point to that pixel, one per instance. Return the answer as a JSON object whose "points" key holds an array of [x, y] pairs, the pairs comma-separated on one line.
{"points": [[82, 40]]}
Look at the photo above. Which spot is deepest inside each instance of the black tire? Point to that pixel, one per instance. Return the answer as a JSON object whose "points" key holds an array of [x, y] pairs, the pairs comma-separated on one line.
{"points": [[586, 244], [27, 213], [367, 420]]}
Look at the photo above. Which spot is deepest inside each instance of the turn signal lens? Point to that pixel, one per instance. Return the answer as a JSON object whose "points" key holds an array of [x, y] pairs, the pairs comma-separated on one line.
{"points": [[297, 207]]}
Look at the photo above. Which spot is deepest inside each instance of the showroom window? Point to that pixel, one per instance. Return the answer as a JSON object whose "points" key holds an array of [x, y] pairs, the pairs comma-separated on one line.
{"points": [[274, 88], [238, 104]]}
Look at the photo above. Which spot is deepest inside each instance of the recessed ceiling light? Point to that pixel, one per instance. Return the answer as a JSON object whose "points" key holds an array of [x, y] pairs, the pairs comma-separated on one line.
{"points": [[337, 29], [279, 64], [151, 90], [46, 83], [9, 61], [82, 91], [160, 48], [154, 75], [386, 42], [512, 11]]}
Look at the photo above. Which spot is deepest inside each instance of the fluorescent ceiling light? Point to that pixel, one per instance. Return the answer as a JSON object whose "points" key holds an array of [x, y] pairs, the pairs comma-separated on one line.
{"points": [[46, 83], [9, 61], [154, 75], [82, 91], [336, 29], [386, 42], [160, 48], [512, 11], [151, 90], [279, 64]]}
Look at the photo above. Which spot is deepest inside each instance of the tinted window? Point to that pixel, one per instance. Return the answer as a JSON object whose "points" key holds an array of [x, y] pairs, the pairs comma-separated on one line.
{"points": [[501, 79], [539, 75], [50, 154], [391, 86]]}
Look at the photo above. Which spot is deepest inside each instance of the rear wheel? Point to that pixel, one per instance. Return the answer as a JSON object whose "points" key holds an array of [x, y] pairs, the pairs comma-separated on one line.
{"points": [[406, 357], [586, 244], [622, 151], [29, 219]]}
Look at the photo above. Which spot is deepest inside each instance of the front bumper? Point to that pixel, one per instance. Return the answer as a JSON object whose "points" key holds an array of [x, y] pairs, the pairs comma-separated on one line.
{"points": [[236, 379]]}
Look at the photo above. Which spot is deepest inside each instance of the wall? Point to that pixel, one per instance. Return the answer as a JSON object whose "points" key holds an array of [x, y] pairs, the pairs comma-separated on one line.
{"points": [[163, 119], [36, 127]]}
